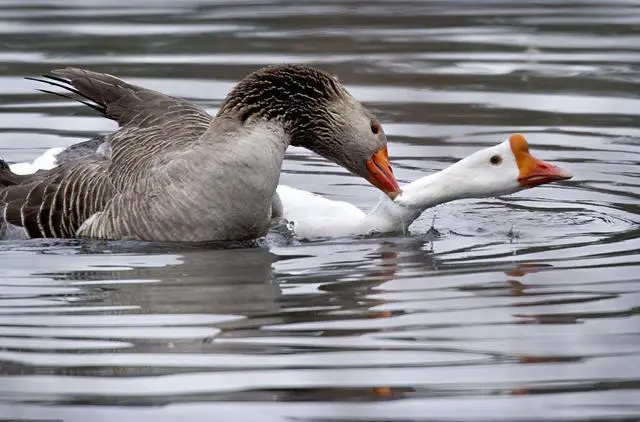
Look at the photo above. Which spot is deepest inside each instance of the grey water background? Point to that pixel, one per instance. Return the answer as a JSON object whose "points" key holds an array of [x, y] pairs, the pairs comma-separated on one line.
{"points": [[517, 308]]}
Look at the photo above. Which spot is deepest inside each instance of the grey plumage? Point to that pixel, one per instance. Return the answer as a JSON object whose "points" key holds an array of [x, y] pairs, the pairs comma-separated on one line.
{"points": [[172, 171], [58, 202], [81, 150]]}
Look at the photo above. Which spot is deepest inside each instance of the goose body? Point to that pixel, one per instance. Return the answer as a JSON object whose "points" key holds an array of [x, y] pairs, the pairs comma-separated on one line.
{"points": [[494, 171], [499, 170], [172, 172]]}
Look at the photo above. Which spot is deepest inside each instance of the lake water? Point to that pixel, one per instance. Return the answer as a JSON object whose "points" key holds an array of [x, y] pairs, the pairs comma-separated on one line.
{"points": [[513, 309]]}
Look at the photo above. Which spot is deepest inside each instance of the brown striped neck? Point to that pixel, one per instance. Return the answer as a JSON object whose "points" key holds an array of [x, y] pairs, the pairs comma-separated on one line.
{"points": [[296, 95]]}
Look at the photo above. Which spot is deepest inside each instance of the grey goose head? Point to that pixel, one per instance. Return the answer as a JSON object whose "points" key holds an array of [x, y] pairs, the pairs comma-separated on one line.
{"points": [[318, 113]]}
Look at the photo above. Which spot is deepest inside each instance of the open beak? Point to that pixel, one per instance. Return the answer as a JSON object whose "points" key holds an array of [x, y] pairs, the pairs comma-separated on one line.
{"points": [[381, 174], [534, 172]]}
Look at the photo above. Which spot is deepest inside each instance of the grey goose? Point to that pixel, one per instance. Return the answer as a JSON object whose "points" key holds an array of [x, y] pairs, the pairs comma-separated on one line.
{"points": [[173, 172]]}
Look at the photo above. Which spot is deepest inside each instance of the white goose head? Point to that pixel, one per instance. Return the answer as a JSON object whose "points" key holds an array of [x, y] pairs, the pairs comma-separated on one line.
{"points": [[503, 169], [495, 171]]}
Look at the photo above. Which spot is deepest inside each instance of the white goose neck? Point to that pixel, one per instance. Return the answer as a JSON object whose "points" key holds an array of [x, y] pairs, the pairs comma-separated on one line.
{"points": [[444, 186]]}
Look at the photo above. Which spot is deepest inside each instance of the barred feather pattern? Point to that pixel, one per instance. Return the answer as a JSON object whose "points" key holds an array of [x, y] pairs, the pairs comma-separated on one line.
{"points": [[172, 171], [152, 127], [56, 202], [157, 139]]}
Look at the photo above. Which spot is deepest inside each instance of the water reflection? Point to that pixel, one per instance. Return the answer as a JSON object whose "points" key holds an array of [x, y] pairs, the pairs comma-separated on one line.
{"points": [[502, 309]]}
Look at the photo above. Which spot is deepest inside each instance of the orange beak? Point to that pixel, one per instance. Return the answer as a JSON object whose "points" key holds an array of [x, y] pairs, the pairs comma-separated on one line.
{"points": [[534, 172], [381, 174]]}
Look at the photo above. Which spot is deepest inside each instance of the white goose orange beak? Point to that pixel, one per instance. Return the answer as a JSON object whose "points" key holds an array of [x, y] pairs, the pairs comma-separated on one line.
{"points": [[381, 173], [534, 172]]}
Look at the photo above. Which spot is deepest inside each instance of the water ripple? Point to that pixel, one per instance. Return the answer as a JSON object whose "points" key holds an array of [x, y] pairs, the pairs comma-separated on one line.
{"points": [[485, 308]]}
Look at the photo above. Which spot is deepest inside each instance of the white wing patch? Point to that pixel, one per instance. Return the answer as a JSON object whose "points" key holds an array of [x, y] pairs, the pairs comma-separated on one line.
{"points": [[46, 161]]}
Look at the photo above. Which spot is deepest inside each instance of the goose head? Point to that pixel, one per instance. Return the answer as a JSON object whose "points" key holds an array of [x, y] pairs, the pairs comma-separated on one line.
{"points": [[318, 113], [500, 170]]}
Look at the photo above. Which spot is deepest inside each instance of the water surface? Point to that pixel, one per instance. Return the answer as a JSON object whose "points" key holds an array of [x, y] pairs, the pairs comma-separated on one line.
{"points": [[515, 308]]}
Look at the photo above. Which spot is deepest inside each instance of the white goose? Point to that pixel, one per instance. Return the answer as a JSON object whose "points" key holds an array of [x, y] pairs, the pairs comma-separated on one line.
{"points": [[499, 170]]}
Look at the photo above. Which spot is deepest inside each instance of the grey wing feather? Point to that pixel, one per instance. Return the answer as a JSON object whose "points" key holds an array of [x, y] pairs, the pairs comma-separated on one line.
{"points": [[127, 104], [55, 203], [81, 150], [153, 126]]}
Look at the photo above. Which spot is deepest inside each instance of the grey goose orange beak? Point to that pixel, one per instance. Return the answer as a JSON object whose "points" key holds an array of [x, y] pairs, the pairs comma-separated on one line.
{"points": [[381, 173], [534, 172]]}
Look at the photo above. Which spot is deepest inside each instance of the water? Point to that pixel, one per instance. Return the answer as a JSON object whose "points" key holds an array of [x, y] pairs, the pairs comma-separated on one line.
{"points": [[518, 308]]}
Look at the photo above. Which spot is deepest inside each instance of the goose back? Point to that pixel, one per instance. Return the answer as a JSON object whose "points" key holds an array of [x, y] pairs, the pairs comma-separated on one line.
{"points": [[153, 128], [152, 125]]}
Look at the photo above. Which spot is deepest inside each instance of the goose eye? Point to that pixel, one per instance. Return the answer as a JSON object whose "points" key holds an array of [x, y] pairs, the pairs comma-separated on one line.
{"points": [[495, 160], [375, 128]]}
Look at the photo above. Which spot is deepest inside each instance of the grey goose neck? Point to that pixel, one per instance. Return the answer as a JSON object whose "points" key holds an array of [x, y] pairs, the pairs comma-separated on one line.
{"points": [[172, 172]]}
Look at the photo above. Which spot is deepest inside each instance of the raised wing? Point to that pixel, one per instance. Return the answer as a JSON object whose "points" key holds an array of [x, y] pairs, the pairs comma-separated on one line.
{"points": [[153, 126]]}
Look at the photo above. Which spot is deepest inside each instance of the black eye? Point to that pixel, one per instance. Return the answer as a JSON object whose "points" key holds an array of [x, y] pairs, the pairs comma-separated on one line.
{"points": [[495, 160], [376, 128]]}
